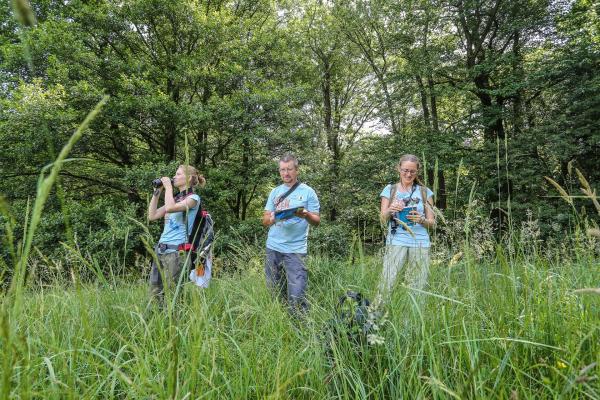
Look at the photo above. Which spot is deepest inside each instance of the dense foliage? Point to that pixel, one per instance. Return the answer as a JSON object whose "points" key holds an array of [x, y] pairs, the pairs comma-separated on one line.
{"points": [[500, 99], [494, 95]]}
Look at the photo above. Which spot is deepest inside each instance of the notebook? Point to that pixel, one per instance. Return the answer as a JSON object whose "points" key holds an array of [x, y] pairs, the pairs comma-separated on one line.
{"points": [[280, 215]]}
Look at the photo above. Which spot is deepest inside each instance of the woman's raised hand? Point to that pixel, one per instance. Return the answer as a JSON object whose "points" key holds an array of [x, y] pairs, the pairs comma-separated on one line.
{"points": [[166, 181], [395, 206]]}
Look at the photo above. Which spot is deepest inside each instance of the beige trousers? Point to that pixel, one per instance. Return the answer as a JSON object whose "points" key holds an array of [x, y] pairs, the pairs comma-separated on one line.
{"points": [[412, 262]]}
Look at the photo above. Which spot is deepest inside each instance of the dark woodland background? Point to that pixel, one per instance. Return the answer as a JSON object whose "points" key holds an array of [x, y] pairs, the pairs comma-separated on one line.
{"points": [[492, 95]]}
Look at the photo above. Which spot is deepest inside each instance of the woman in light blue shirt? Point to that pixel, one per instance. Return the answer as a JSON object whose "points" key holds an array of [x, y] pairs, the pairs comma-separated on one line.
{"points": [[171, 253], [407, 208]]}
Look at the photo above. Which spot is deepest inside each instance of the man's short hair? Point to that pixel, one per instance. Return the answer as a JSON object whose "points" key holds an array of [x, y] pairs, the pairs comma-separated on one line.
{"points": [[289, 157]]}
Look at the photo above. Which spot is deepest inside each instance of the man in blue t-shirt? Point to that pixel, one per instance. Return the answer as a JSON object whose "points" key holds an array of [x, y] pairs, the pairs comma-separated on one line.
{"points": [[289, 211]]}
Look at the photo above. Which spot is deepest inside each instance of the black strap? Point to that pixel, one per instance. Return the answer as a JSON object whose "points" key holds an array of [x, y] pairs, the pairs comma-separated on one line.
{"points": [[393, 191], [183, 194], [392, 221], [411, 194], [286, 194]]}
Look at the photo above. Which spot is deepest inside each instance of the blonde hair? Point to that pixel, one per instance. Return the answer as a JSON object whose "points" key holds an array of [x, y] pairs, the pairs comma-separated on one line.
{"points": [[411, 158], [193, 176]]}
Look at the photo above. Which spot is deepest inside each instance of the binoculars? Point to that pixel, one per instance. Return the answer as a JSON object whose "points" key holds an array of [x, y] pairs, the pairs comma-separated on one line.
{"points": [[158, 183]]}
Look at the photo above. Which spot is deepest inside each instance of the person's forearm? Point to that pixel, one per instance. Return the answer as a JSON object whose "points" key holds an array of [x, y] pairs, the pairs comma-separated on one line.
{"points": [[427, 222], [169, 199], [267, 219], [313, 218], [153, 206], [385, 215]]}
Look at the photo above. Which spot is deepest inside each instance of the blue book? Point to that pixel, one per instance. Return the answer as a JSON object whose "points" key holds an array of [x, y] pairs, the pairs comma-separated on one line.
{"points": [[288, 213], [403, 215]]}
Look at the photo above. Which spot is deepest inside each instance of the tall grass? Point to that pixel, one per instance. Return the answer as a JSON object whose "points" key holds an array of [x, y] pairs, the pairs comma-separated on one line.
{"points": [[482, 329], [12, 302], [520, 324], [511, 324]]}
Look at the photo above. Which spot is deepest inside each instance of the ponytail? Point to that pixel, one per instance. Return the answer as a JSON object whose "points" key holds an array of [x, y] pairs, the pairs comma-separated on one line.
{"points": [[195, 179]]}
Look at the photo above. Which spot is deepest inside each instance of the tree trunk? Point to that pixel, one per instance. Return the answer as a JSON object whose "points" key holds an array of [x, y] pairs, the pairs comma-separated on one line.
{"points": [[424, 105], [202, 136], [170, 141], [433, 101], [331, 132]]}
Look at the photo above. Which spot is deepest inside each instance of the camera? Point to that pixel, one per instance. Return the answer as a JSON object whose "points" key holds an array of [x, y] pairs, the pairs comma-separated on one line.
{"points": [[158, 183]]}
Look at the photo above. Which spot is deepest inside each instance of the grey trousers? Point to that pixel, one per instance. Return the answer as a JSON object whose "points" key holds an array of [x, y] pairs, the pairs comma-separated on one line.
{"points": [[170, 267], [296, 274], [413, 262]]}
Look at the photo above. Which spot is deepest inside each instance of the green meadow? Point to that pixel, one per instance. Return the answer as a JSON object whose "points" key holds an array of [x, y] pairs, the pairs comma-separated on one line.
{"points": [[508, 327], [500, 99]]}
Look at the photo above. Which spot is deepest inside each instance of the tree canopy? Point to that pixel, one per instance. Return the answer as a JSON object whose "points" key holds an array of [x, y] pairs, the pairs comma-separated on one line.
{"points": [[493, 95]]}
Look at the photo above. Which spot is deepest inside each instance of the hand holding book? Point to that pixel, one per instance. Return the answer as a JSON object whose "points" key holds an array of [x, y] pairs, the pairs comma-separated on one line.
{"points": [[288, 213]]}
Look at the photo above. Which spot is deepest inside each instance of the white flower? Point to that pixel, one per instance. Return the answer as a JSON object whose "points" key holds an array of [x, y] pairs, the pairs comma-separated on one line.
{"points": [[375, 340]]}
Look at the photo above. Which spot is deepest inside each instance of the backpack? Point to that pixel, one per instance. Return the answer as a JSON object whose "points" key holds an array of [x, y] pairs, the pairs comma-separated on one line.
{"points": [[201, 239], [352, 315], [202, 234], [351, 321]]}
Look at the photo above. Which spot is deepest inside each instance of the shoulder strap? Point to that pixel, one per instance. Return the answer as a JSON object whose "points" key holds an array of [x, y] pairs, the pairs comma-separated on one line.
{"points": [[393, 190], [424, 197], [426, 203], [286, 194], [184, 194], [202, 234], [195, 222], [181, 196]]}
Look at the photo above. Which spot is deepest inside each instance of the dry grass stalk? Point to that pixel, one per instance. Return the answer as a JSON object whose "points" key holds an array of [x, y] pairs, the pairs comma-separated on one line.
{"points": [[438, 214], [587, 291], [582, 180], [563, 192], [405, 226], [587, 190], [594, 232], [591, 194], [583, 374], [455, 259], [24, 12], [570, 167]]}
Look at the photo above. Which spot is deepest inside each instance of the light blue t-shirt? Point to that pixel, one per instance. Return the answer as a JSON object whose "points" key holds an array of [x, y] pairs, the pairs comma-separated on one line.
{"points": [[402, 237], [290, 235], [174, 230]]}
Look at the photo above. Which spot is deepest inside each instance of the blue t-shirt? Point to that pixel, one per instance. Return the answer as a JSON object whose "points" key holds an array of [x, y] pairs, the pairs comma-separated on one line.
{"points": [[290, 235], [402, 237], [174, 230]]}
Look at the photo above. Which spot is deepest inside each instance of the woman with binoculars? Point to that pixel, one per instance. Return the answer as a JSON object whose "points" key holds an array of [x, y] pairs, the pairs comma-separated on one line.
{"points": [[407, 209], [171, 254]]}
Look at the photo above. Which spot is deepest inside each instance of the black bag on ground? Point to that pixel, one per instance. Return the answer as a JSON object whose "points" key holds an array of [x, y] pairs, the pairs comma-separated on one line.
{"points": [[351, 316], [350, 323]]}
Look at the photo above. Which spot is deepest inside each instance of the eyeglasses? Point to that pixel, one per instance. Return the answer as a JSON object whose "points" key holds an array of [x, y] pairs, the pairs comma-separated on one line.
{"points": [[408, 171], [286, 169]]}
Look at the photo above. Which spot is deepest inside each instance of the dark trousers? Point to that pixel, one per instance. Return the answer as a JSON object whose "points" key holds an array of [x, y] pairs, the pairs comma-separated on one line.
{"points": [[296, 274]]}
